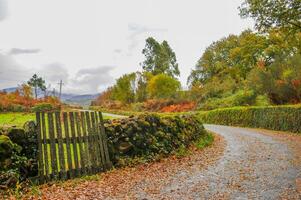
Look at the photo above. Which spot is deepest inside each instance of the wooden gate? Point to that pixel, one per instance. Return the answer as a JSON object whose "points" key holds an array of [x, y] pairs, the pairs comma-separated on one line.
{"points": [[71, 144]]}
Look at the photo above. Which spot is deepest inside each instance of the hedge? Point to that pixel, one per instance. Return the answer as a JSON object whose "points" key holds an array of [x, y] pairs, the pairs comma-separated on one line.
{"points": [[149, 136], [280, 118]]}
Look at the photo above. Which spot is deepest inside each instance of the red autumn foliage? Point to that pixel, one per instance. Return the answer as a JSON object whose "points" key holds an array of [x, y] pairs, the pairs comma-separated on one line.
{"points": [[22, 100], [180, 107]]}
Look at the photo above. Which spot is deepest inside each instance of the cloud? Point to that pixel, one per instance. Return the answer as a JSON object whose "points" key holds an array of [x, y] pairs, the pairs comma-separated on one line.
{"points": [[54, 72], [3, 9], [136, 31], [17, 51], [91, 80], [11, 73]]}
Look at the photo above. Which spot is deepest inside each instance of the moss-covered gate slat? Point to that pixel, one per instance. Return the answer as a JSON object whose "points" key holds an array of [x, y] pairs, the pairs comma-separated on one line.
{"points": [[70, 145]]}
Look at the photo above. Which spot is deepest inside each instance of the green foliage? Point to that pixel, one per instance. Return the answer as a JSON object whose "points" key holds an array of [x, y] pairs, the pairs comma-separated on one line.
{"points": [[18, 155], [232, 56], [124, 89], [273, 13], [6, 147], [147, 136], [281, 81], [204, 141], [163, 86], [240, 98], [37, 82], [281, 118], [44, 107], [159, 58]]}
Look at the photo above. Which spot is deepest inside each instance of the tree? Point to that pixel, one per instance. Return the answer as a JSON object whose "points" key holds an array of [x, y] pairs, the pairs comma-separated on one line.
{"points": [[37, 83], [273, 13], [281, 81], [159, 58], [163, 86], [26, 91], [232, 56], [124, 89]]}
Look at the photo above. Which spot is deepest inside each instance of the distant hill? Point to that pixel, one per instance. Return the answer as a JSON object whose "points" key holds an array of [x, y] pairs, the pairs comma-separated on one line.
{"points": [[69, 98], [83, 100]]}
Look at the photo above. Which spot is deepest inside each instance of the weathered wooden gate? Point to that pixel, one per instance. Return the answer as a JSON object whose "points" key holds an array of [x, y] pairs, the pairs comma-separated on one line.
{"points": [[71, 144]]}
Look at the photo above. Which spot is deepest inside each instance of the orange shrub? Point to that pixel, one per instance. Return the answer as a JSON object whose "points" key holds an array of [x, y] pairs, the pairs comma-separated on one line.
{"points": [[180, 107]]}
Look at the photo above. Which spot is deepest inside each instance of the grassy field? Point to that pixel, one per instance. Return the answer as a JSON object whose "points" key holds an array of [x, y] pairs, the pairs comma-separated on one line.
{"points": [[18, 119]]}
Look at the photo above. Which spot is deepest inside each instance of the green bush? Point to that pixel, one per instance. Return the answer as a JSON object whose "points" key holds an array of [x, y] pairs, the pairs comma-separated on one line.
{"points": [[240, 98], [281, 118], [44, 107], [150, 136], [18, 155]]}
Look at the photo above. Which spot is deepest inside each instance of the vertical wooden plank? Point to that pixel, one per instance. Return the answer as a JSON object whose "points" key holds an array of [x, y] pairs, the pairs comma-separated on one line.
{"points": [[45, 144], [100, 144], [74, 143], [68, 146], [86, 142], [52, 146], [40, 155], [96, 143], [80, 140], [60, 145], [105, 142], [91, 146]]}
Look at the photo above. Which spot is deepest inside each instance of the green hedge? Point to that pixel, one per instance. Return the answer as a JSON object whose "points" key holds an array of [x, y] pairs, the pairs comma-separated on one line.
{"points": [[150, 136], [281, 118], [45, 107]]}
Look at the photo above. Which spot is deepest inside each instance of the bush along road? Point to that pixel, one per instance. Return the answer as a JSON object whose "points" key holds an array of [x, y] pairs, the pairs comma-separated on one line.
{"points": [[240, 164]]}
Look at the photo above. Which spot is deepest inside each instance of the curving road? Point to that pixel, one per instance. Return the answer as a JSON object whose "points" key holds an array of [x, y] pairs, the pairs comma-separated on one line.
{"points": [[242, 164], [256, 165]]}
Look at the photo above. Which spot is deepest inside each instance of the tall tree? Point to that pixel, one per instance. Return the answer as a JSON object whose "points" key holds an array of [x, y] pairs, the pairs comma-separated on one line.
{"points": [[160, 58], [273, 13], [37, 83], [232, 56], [124, 89]]}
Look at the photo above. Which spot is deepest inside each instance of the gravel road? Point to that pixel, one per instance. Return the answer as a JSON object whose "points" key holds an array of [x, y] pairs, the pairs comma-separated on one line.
{"points": [[256, 165], [241, 164]]}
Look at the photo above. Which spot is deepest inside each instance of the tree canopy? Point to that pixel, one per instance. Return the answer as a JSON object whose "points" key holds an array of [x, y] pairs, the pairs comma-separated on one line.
{"points": [[163, 86], [37, 83], [273, 13], [159, 58]]}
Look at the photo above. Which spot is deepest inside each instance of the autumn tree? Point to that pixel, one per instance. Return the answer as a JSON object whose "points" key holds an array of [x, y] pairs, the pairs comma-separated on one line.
{"points": [[159, 58], [124, 89], [273, 13], [232, 57], [163, 86], [37, 83]]}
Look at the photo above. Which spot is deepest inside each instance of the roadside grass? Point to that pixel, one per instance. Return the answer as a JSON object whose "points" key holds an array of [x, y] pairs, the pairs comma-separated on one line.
{"points": [[201, 143], [204, 141]]}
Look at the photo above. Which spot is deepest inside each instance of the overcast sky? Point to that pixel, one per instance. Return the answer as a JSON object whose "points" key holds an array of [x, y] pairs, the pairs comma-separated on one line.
{"points": [[90, 43]]}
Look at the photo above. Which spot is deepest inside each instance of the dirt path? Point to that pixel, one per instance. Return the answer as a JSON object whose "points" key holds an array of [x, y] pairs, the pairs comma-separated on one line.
{"points": [[242, 164]]}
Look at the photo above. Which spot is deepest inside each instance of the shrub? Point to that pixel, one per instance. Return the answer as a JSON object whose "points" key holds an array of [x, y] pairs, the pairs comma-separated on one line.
{"points": [[282, 118], [241, 98], [149, 136], [45, 107], [18, 155]]}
